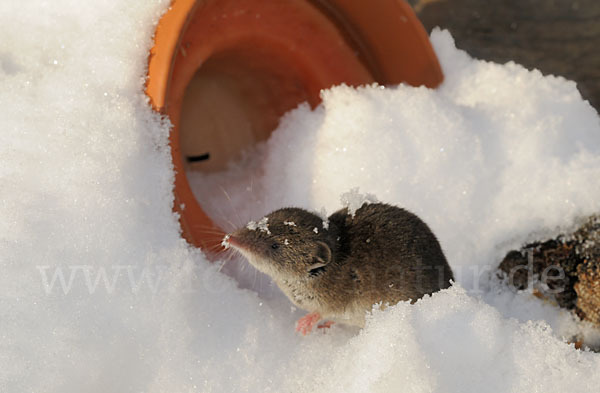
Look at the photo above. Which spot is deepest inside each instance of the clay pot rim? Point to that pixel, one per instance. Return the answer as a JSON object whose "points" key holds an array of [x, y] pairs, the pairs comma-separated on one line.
{"points": [[167, 38], [169, 30]]}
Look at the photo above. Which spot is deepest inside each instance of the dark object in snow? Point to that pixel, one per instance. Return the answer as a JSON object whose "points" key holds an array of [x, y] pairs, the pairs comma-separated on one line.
{"points": [[339, 268], [565, 270], [537, 264], [201, 157], [588, 272]]}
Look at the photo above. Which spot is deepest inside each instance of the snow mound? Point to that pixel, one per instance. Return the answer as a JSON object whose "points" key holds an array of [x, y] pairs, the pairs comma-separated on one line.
{"points": [[451, 342]]}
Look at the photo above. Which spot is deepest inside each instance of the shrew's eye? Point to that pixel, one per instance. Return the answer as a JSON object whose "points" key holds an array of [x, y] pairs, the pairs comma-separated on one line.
{"points": [[275, 246]]}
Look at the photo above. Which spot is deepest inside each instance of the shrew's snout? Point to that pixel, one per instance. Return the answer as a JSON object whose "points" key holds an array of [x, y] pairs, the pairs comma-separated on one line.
{"points": [[235, 241]]}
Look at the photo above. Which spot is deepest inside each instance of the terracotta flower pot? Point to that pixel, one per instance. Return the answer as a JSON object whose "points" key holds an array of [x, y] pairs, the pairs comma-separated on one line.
{"points": [[224, 71]]}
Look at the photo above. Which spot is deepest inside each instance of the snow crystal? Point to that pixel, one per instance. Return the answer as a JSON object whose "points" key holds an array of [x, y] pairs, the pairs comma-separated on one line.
{"points": [[261, 225], [316, 230], [353, 200], [289, 223], [252, 225], [324, 217], [225, 243]]}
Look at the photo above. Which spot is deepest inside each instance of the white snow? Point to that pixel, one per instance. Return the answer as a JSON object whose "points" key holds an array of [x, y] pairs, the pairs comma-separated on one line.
{"points": [[261, 225], [323, 214], [353, 200], [101, 294], [225, 242]]}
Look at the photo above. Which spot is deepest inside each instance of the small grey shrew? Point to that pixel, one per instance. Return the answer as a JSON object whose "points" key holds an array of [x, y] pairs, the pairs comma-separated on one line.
{"points": [[340, 268]]}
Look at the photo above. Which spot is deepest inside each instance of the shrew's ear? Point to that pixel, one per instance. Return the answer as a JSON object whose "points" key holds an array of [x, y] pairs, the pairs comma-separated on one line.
{"points": [[321, 259], [322, 254]]}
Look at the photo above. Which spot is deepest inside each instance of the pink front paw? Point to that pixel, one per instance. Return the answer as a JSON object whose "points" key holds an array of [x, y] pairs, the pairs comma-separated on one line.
{"points": [[306, 323]]}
